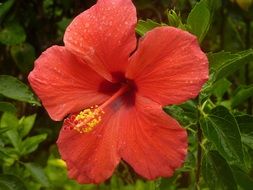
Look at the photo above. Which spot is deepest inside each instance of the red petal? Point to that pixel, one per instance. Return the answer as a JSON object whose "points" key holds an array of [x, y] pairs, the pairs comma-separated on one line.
{"points": [[104, 35], [169, 66], [91, 157], [64, 83], [154, 144]]}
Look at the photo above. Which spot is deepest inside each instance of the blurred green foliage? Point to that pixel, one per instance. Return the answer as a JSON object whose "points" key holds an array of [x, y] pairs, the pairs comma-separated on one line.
{"points": [[219, 121]]}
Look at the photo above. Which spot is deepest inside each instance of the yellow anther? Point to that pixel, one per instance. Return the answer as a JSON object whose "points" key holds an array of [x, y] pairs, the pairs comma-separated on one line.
{"points": [[87, 119]]}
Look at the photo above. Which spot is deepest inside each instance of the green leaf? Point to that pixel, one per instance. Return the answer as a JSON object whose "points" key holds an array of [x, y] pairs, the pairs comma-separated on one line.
{"points": [[175, 20], [11, 87], [5, 7], [207, 89], [242, 179], [62, 25], [4, 129], [24, 56], [199, 20], [220, 87], [241, 94], [224, 63], [245, 123], [144, 26], [185, 113], [221, 128], [14, 138], [9, 122], [141, 185], [11, 182], [168, 182], [213, 5], [3, 153], [26, 124], [176, 112], [7, 107], [12, 33], [9, 155], [37, 173], [217, 173], [30, 144]]}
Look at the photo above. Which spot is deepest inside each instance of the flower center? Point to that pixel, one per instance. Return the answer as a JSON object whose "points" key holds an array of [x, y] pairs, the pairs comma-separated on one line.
{"points": [[87, 119]]}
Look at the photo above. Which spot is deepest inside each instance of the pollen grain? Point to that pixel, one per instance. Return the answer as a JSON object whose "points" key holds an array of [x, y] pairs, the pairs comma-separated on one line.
{"points": [[85, 121]]}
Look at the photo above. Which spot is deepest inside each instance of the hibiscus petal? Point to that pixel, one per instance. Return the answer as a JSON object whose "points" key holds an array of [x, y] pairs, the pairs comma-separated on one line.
{"points": [[168, 66], [64, 83], [139, 131], [91, 157], [104, 36], [153, 143]]}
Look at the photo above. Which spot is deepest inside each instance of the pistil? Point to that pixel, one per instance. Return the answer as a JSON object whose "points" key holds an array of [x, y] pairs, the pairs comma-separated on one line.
{"points": [[88, 118]]}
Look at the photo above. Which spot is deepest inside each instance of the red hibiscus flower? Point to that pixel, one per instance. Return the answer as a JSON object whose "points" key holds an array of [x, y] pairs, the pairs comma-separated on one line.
{"points": [[113, 94]]}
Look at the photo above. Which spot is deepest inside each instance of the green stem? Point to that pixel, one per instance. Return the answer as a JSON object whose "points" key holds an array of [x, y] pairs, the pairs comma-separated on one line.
{"points": [[199, 157], [199, 149]]}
